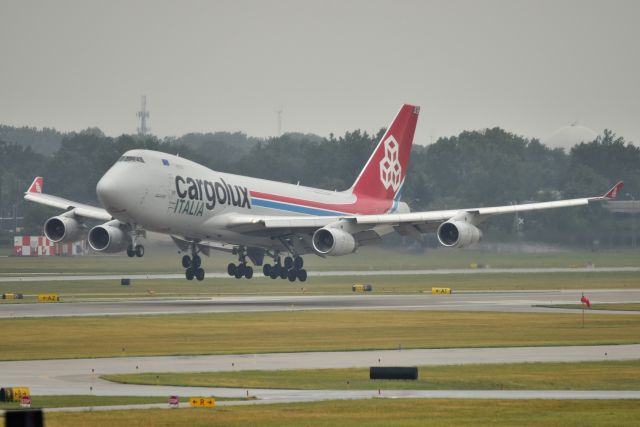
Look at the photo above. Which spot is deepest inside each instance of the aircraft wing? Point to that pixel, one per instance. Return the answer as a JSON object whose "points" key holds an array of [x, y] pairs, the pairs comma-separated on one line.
{"points": [[482, 213], [422, 222], [35, 194]]}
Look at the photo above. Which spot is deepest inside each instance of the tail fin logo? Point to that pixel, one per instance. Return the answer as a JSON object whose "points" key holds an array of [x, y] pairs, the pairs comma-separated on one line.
{"points": [[390, 167]]}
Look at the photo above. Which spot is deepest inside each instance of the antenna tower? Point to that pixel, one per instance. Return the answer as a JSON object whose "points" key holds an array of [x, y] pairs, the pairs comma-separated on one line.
{"points": [[143, 114], [279, 113]]}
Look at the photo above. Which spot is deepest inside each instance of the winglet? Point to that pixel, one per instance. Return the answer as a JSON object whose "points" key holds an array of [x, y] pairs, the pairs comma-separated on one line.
{"points": [[36, 185], [611, 194]]}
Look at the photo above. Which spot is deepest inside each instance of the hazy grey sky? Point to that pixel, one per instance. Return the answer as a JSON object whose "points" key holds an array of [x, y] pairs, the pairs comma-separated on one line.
{"points": [[528, 66]]}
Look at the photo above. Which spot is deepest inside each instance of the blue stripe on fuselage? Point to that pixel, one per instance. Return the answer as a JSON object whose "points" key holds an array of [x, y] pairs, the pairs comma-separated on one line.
{"points": [[293, 208]]}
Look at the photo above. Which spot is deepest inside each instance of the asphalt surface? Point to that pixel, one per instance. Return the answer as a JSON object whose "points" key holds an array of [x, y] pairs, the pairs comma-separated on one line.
{"points": [[507, 301], [82, 376], [51, 277]]}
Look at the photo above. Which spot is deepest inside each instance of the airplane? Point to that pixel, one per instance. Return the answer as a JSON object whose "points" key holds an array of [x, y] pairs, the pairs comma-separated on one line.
{"points": [[253, 218]]}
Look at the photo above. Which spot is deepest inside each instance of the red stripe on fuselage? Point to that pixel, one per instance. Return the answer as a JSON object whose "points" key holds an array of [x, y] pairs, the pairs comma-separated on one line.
{"points": [[362, 205]]}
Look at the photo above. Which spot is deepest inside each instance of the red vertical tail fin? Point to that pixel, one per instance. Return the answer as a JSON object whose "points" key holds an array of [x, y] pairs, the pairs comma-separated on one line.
{"points": [[36, 185], [383, 175]]}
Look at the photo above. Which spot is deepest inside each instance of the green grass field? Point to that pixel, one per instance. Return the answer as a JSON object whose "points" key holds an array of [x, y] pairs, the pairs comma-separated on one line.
{"points": [[71, 401], [86, 290], [165, 260], [261, 332], [606, 375], [376, 412], [83, 400]]}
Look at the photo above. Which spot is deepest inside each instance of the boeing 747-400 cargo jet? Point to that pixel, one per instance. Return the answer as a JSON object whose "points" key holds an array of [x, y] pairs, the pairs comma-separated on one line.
{"points": [[202, 209]]}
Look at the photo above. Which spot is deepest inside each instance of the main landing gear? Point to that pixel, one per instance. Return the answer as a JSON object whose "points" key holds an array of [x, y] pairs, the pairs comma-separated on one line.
{"points": [[241, 269], [192, 264], [290, 269]]}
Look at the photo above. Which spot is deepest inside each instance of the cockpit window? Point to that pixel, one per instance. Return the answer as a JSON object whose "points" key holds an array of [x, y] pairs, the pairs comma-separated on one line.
{"points": [[131, 159]]}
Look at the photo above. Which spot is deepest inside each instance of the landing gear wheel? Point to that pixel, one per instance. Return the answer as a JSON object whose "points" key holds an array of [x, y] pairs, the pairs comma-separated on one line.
{"points": [[240, 269], [284, 273], [292, 275], [248, 272], [275, 271], [196, 262], [302, 275], [186, 261], [266, 270], [189, 273], [231, 269], [139, 249], [130, 252], [298, 262], [288, 262], [199, 274]]}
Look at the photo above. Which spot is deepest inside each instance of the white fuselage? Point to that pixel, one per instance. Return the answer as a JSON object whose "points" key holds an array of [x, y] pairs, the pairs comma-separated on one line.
{"points": [[173, 195]]}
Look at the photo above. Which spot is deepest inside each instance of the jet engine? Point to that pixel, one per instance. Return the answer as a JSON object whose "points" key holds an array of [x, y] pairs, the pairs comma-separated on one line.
{"points": [[62, 229], [332, 241], [458, 234], [109, 237]]}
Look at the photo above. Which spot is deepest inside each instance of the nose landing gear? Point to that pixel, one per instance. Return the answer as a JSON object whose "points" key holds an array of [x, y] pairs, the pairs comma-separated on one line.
{"points": [[137, 250]]}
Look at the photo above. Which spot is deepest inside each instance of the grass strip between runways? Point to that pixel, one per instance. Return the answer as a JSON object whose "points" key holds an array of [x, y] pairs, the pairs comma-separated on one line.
{"points": [[83, 290], [376, 412], [605, 375], [297, 331], [84, 400], [70, 401]]}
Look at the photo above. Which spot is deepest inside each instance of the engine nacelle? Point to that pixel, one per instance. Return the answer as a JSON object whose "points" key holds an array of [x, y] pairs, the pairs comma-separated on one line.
{"points": [[334, 242], [62, 229], [458, 234], [108, 237]]}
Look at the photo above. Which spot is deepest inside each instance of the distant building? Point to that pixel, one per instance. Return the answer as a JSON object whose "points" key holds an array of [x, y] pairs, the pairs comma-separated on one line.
{"points": [[568, 136], [624, 206]]}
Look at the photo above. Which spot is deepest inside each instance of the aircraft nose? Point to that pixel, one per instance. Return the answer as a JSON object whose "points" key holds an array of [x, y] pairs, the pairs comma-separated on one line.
{"points": [[110, 190]]}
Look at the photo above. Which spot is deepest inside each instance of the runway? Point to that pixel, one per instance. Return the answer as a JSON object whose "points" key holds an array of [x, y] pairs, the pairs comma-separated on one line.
{"points": [[506, 301], [52, 277], [82, 376]]}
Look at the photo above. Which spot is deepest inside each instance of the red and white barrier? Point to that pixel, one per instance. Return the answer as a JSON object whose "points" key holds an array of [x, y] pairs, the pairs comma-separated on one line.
{"points": [[41, 246]]}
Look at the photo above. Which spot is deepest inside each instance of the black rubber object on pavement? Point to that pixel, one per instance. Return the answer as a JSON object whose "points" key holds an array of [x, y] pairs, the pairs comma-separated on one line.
{"points": [[23, 418], [393, 373]]}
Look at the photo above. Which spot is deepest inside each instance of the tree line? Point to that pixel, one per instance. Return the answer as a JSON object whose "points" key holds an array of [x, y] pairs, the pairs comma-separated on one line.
{"points": [[475, 168]]}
